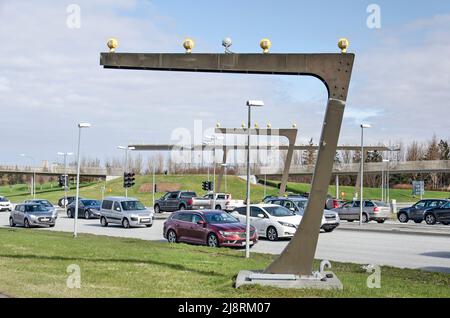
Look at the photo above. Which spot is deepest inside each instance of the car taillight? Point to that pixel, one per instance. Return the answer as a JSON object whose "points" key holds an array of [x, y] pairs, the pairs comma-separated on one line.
{"points": [[190, 201], [376, 209], [335, 204]]}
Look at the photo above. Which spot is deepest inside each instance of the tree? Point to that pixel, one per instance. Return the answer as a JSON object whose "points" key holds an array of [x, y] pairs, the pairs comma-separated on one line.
{"points": [[309, 157], [444, 150]]}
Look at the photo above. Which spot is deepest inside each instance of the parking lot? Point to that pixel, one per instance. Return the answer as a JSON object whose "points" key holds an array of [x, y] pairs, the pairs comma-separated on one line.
{"points": [[421, 246]]}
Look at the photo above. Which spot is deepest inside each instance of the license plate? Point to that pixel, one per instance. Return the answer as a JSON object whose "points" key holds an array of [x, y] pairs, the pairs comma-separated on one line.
{"points": [[45, 220], [202, 207], [145, 220]]}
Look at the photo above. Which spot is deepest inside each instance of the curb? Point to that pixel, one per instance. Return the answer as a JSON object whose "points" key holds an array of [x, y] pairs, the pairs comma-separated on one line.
{"points": [[397, 231]]}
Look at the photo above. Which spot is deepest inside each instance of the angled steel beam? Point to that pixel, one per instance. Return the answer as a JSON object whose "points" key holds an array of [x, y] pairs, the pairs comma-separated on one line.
{"points": [[334, 70]]}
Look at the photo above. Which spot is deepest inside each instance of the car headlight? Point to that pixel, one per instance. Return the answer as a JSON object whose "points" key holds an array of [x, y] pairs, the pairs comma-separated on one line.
{"points": [[32, 216], [225, 233], [287, 224]]}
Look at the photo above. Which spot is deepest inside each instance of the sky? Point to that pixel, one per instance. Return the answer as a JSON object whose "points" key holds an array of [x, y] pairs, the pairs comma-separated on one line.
{"points": [[50, 77]]}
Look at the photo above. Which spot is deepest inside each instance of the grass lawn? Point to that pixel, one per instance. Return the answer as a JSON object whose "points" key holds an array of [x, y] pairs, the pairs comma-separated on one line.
{"points": [[235, 186], [33, 263]]}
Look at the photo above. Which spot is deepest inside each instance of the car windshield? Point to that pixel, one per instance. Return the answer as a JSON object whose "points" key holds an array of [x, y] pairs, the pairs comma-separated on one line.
{"points": [[220, 218], [35, 208], [301, 203], [45, 203], [278, 211], [132, 206], [3, 199], [90, 202]]}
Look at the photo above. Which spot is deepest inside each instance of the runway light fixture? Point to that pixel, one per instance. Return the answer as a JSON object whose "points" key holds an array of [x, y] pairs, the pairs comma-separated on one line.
{"points": [[226, 43], [343, 44], [112, 45], [265, 44], [188, 45]]}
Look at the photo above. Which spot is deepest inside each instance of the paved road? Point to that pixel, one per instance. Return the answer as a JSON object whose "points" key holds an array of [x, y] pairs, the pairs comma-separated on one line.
{"points": [[427, 252]]}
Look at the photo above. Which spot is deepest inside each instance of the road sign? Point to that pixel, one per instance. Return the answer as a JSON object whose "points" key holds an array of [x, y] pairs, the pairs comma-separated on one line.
{"points": [[418, 188]]}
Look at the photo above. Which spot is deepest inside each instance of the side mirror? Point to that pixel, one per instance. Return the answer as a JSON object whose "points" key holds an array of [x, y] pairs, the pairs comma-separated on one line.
{"points": [[292, 209], [261, 216], [201, 222]]}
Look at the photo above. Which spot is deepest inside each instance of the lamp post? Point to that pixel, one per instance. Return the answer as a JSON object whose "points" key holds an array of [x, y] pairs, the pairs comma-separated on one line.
{"points": [[213, 139], [153, 181], [250, 104], [361, 200], [383, 181], [125, 168], [66, 177], [33, 181], [80, 127], [224, 165]]}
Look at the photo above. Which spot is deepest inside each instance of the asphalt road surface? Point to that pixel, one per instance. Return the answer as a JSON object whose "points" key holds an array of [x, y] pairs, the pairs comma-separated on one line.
{"points": [[405, 250]]}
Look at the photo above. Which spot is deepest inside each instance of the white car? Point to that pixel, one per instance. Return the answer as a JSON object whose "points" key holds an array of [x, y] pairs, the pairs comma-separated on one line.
{"points": [[5, 204], [270, 220], [223, 201]]}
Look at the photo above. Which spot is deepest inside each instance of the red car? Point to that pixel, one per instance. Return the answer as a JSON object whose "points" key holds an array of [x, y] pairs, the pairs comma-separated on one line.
{"points": [[211, 228]]}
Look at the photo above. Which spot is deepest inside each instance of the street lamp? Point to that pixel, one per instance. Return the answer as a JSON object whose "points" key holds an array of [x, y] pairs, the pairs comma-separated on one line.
{"points": [[80, 127], [250, 104], [66, 177], [361, 200], [224, 166], [33, 181], [125, 168], [208, 140]]}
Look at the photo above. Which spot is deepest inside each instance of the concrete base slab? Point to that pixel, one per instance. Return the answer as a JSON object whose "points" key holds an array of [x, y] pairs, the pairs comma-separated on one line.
{"points": [[325, 280]]}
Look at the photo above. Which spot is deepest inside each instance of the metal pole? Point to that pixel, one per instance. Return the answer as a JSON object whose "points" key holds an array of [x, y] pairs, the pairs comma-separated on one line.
{"points": [[247, 220], [225, 170], [337, 186], [361, 200], [265, 185], [382, 182], [78, 186], [65, 182], [153, 198], [214, 175], [388, 181], [125, 169]]}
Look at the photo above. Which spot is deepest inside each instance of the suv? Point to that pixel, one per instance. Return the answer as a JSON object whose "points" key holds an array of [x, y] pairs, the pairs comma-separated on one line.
{"points": [[438, 214], [128, 212], [5, 204], [31, 214], [416, 212]]}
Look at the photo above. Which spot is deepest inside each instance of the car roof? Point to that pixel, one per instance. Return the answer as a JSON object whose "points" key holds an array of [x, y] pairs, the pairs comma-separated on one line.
{"points": [[120, 199]]}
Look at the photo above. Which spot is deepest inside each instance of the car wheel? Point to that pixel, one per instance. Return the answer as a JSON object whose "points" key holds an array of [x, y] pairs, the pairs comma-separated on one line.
{"points": [[172, 237], [403, 218], [126, 223], [381, 221], [430, 219], [365, 218], [156, 208], [218, 207], [26, 223], [182, 207], [445, 223], [149, 225], [103, 221], [328, 230], [70, 214], [212, 240], [272, 233], [418, 221], [350, 221], [86, 215], [11, 222]]}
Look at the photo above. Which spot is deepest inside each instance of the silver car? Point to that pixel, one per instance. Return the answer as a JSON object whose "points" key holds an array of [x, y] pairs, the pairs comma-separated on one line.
{"points": [[30, 215], [47, 204], [372, 211], [127, 212]]}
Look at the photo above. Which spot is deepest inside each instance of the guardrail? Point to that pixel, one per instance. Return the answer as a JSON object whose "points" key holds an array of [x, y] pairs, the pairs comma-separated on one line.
{"points": [[58, 170]]}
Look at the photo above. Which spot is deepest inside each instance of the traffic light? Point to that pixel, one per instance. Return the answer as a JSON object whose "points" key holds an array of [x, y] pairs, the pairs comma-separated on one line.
{"points": [[128, 179], [63, 181], [207, 185]]}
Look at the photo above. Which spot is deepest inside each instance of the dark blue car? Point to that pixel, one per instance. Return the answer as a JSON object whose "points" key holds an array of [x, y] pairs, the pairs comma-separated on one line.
{"points": [[87, 209]]}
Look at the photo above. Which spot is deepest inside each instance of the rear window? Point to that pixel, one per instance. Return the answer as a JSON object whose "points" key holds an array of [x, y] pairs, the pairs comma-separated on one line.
{"points": [[188, 194], [242, 210], [186, 217], [381, 203], [107, 205]]}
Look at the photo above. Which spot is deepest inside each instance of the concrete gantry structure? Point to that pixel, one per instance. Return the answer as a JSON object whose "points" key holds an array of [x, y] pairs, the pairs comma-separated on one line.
{"points": [[57, 171], [333, 70]]}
